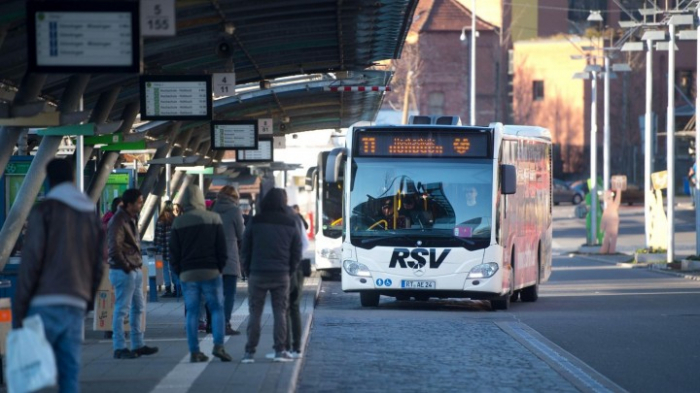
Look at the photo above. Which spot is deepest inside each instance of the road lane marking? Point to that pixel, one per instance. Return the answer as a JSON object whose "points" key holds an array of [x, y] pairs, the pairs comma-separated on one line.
{"points": [[181, 378], [582, 376]]}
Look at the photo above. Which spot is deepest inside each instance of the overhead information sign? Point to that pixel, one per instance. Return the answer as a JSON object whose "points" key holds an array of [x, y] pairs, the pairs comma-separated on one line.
{"points": [[234, 134], [265, 126], [76, 37], [264, 153], [157, 18], [176, 97], [422, 143]]}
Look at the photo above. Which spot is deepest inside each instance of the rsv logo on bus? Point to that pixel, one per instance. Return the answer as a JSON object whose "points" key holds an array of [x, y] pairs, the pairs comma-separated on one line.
{"points": [[417, 255]]}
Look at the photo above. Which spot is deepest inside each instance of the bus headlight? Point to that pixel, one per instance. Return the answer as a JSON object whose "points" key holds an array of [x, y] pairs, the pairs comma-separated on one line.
{"points": [[484, 270], [355, 268], [328, 253]]}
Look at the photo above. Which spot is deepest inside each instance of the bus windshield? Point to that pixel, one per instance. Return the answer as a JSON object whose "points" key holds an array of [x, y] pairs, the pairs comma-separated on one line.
{"points": [[402, 199]]}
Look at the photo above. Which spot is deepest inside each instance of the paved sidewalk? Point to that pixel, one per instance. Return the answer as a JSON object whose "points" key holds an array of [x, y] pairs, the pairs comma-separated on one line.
{"points": [[170, 370]]}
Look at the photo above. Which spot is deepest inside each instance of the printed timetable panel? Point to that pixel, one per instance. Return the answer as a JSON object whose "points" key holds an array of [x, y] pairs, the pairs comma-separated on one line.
{"points": [[264, 153], [76, 37], [176, 98], [234, 134]]}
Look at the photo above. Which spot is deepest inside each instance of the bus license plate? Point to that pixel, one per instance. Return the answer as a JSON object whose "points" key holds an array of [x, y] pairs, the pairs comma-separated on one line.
{"points": [[415, 284]]}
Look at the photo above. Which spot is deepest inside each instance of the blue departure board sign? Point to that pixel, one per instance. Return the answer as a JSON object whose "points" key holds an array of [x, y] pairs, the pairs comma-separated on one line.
{"points": [[422, 143], [83, 37]]}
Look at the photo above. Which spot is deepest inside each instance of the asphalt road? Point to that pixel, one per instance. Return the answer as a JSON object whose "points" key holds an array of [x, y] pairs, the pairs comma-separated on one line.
{"points": [[634, 328]]}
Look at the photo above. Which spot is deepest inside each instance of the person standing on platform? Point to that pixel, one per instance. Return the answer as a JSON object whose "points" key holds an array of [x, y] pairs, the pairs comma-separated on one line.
{"points": [[126, 276], [227, 207], [198, 256], [116, 203], [270, 254], [61, 269], [162, 243]]}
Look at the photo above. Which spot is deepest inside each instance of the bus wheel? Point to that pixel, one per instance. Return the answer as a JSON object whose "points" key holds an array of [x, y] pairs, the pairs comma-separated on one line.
{"points": [[369, 299], [503, 302], [530, 294]]}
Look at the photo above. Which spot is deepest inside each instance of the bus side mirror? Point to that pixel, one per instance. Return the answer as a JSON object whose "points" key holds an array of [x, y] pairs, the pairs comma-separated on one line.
{"points": [[508, 179], [333, 165], [310, 180]]}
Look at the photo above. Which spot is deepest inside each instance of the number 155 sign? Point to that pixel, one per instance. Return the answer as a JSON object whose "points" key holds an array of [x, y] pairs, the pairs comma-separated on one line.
{"points": [[157, 18]]}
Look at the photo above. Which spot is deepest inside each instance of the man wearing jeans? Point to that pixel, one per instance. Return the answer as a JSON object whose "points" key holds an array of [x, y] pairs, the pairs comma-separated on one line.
{"points": [[198, 256], [126, 276], [61, 269]]}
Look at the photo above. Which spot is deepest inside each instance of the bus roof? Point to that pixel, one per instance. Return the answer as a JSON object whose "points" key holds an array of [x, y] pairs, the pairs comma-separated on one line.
{"points": [[527, 131]]}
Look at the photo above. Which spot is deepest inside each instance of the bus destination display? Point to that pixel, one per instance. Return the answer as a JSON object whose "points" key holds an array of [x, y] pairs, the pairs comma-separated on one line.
{"points": [[422, 144], [262, 154], [175, 99], [234, 135], [100, 38]]}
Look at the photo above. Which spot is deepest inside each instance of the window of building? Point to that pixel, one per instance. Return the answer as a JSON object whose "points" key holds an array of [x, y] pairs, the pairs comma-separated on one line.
{"points": [[537, 90], [685, 80], [436, 103]]}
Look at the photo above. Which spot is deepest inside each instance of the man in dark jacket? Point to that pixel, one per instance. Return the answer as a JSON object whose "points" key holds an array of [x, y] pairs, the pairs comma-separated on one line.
{"points": [[227, 207], [271, 254], [126, 276], [198, 256], [61, 269]]}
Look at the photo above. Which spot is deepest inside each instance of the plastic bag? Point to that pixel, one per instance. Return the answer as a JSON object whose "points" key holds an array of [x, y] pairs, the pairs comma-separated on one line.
{"points": [[31, 364]]}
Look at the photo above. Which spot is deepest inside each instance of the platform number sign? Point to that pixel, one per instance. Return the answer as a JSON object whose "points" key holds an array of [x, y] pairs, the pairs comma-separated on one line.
{"points": [[157, 18], [224, 84], [265, 126]]}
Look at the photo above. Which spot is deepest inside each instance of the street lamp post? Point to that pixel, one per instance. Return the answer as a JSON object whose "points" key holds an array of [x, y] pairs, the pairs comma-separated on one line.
{"points": [[472, 65], [670, 140], [594, 157]]}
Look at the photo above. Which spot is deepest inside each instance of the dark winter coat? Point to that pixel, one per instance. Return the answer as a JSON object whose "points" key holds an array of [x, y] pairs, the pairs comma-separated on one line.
{"points": [[232, 220], [197, 239], [272, 240]]}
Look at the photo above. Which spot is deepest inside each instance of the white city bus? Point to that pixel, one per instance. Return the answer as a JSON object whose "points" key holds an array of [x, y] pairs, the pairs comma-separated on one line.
{"points": [[446, 211], [328, 218]]}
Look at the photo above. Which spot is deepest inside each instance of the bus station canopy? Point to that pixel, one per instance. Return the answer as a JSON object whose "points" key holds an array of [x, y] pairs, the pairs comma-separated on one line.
{"points": [[271, 39]]}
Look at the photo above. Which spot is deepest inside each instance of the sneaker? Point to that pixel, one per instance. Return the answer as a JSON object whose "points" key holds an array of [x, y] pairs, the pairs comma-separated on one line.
{"points": [[230, 331], [220, 353], [295, 354], [248, 358], [202, 328], [167, 294], [282, 356], [145, 350], [198, 357], [125, 354]]}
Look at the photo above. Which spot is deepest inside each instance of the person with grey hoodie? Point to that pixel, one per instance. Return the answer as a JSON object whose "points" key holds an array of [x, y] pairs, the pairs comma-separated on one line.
{"points": [[270, 254], [61, 269], [198, 255], [226, 206]]}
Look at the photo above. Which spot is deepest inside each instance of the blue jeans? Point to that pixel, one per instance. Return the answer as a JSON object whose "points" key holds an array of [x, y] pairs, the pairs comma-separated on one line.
{"points": [[64, 331], [128, 295], [212, 290], [229, 295]]}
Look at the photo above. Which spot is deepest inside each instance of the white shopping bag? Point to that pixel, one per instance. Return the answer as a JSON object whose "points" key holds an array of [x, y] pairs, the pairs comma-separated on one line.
{"points": [[31, 364]]}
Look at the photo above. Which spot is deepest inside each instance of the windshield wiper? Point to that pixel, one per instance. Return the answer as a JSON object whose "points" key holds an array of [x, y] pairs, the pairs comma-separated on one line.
{"points": [[380, 238]]}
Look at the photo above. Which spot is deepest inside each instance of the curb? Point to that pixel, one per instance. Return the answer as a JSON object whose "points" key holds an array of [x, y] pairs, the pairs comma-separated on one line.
{"points": [[648, 266], [306, 333]]}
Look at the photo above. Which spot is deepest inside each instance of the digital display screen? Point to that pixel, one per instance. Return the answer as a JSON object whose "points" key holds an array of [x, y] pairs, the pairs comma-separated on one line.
{"points": [[83, 37], [262, 154], [235, 134], [422, 143], [176, 97]]}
